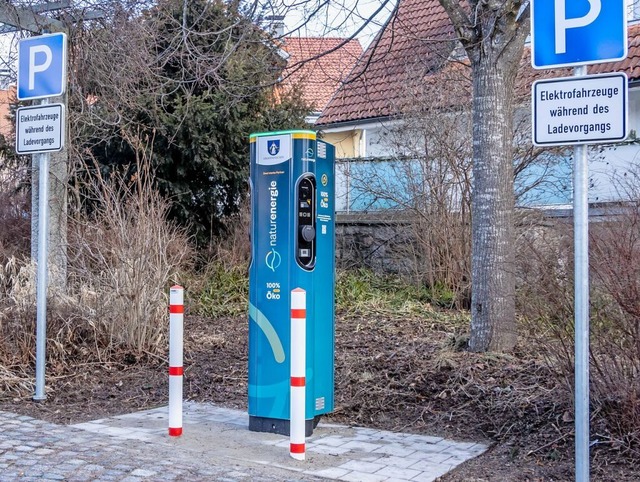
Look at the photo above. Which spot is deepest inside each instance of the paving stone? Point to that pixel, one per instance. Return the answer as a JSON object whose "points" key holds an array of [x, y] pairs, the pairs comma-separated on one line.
{"points": [[326, 449], [27, 462], [332, 473], [398, 472], [363, 477], [33, 472], [332, 441], [143, 473], [43, 451], [432, 468], [50, 476], [362, 466], [136, 447], [74, 461], [24, 448], [361, 446], [428, 439], [395, 449], [395, 461]]}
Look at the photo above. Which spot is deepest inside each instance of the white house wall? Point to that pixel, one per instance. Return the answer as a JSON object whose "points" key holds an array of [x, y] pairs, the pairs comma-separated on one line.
{"points": [[609, 165]]}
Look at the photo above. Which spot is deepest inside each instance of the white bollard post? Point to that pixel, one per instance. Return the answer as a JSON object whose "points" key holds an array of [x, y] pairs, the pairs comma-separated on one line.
{"points": [[176, 321], [298, 368]]}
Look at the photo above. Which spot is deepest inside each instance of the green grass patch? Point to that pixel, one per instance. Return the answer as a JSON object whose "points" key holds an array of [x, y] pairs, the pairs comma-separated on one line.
{"points": [[363, 290], [223, 291]]}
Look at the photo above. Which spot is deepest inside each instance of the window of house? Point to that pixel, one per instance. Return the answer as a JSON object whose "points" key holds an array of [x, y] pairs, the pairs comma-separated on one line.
{"points": [[633, 7], [634, 113]]}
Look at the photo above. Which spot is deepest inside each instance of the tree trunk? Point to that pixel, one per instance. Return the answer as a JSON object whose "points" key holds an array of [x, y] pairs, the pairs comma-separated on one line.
{"points": [[58, 202], [492, 33], [493, 323]]}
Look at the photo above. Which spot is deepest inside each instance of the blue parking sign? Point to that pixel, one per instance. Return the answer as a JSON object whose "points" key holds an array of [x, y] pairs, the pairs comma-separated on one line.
{"points": [[42, 66], [566, 33]]}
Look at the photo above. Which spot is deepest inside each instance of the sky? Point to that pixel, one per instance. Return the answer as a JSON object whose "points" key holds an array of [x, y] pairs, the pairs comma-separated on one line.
{"points": [[333, 18], [306, 18]]}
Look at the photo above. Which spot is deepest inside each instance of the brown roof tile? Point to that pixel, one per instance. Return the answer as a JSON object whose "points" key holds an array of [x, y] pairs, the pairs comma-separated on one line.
{"points": [[413, 47], [631, 66], [317, 66], [415, 41]]}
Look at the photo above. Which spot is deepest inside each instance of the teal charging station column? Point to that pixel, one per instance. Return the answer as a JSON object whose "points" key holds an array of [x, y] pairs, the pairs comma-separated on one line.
{"points": [[292, 246]]}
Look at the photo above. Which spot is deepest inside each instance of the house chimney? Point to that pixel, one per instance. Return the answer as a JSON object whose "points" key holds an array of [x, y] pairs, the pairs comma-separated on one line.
{"points": [[276, 25]]}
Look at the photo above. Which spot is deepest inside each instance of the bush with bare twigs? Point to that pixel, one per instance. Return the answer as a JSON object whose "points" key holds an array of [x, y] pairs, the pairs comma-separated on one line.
{"points": [[220, 286], [615, 341], [123, 257], [15, 216], [546, 298]]}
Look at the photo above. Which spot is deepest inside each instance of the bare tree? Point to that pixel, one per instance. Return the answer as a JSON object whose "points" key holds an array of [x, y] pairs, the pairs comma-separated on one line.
{"points": [[492, 34]]}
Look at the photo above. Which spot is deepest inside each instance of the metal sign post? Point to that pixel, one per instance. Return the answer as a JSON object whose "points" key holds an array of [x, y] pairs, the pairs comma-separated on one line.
{"points": [[42, 160], [581, 303], [42, 73], [569, 33]]}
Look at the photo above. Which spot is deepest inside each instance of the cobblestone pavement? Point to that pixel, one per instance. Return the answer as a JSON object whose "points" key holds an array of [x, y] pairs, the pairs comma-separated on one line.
{"points": [[216, 445]]}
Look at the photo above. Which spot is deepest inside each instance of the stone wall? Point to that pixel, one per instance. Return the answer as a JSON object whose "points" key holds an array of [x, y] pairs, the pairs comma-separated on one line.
{"points": [[378, 241], [385, 241]]}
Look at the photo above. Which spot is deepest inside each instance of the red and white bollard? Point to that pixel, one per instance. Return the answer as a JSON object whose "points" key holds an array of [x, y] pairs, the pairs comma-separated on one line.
{"points": [[176, 322], [298, 368]]}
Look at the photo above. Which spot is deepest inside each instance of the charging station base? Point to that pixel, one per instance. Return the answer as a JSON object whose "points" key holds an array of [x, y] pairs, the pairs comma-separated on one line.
{"points": [[279, 426]]}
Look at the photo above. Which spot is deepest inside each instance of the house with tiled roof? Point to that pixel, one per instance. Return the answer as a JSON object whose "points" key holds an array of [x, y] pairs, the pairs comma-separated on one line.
{"points": [[7, 98], [418, 45], [317, 66]]}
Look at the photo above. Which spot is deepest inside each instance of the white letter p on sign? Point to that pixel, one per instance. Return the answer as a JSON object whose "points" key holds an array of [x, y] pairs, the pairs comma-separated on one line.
{"points": [[35, 68], [563, 23]]}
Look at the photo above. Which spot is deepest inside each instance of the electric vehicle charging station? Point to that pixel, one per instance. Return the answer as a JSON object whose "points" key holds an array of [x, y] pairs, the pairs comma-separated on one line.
{"points": [[292, 246]]}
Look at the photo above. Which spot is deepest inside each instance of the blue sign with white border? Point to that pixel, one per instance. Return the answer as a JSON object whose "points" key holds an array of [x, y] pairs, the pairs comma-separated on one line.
{"points": [[566, 33], [42, 66]]}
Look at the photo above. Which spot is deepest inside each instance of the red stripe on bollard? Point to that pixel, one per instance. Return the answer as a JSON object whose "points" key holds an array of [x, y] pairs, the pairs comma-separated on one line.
{"points": [[298, 381], [176, 309], [298, 314], [296, 448], [176, 371], [175, 432]]}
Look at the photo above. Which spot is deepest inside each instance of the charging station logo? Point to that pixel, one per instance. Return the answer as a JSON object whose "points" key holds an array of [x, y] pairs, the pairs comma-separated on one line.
{"points": [[273, 147], [273, 260], [309, 155], [273, 150]]}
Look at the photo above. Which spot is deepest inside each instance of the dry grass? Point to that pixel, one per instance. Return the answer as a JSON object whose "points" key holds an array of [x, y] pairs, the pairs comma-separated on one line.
{"points": [[546, 299], [123, 257]]}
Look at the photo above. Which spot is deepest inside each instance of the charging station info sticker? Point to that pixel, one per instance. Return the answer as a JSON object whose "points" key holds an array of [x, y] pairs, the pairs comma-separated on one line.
{"points": [[273, 150]]}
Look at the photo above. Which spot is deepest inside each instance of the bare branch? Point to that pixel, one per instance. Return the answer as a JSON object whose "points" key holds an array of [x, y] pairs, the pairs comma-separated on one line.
{"points": [[464, 27]]}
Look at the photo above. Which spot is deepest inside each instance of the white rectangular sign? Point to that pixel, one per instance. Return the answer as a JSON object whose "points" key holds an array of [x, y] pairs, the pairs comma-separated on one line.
{"points": [[580, 110], [40, 129]]}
